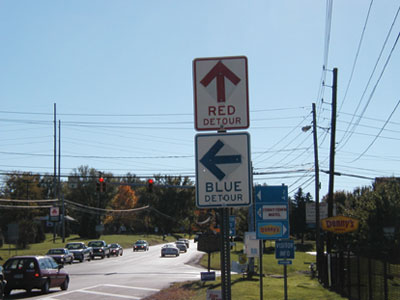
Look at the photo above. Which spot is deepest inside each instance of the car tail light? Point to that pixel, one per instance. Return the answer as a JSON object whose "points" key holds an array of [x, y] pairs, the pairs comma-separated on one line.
{"points": [[37, 275]]}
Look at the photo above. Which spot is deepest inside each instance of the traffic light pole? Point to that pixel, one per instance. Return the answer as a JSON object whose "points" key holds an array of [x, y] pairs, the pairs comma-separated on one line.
{"points": [[225, 255]]}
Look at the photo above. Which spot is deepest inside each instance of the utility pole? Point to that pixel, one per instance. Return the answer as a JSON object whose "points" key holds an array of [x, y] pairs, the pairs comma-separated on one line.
{"points": [[317, 187], [332, 157]]}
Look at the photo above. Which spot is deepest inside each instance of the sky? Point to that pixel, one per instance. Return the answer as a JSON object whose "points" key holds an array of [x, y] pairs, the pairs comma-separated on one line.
{"points": [[117, 76]]}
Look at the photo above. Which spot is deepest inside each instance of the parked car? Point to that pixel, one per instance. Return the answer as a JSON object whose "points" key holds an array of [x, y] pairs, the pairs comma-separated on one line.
{"points": [[80, 251], [186, 242], [34, 272], [100, 248], [2, 282], [141, 245], [181, 245], [61, 255], [169, 249], [116, 249]]}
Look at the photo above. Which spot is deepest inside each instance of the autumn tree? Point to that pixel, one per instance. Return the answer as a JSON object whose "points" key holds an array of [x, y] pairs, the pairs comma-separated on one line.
{"points": [[125, 199]]}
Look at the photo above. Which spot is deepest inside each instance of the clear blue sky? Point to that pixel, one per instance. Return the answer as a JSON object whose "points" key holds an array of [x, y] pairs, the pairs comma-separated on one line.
{"points": [[120, 73]]}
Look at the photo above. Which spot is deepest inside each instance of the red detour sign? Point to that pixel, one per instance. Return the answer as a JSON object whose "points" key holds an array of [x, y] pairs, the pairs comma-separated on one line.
{"points": [[221, 97]]}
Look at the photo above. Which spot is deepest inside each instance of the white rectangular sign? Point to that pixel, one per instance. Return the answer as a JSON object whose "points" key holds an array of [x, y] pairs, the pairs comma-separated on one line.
{"points": [[223, 170], [221, 98], [274, 212], [251, 244], [323, 211]]}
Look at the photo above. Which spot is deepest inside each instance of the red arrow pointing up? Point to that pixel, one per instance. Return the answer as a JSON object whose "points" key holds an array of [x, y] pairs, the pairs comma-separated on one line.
{"points": [[220, 71]]}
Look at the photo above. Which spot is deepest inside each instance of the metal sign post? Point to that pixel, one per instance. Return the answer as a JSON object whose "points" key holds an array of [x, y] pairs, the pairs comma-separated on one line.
{"points": [[225, 255]]}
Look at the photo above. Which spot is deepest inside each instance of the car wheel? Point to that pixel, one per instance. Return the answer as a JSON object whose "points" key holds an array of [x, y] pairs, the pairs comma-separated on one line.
{"points": [[162, 255], [81, 259], [28, 291], [45, 288], [121, 253], [65, 284], [108, 256]]}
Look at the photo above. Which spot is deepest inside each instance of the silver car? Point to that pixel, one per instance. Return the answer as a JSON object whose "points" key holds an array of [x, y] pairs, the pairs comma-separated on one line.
{"points": [[169, 249], [181, 245]]}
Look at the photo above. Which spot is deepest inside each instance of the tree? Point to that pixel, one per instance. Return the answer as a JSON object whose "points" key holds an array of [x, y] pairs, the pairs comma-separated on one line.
{"points": [[298, 226], [125, 199], [85, 193], [23, 186]]}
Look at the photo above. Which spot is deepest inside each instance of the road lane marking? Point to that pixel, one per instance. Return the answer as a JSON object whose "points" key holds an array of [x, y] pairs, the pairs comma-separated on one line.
{"points": [[107, 294], [132, 287]]}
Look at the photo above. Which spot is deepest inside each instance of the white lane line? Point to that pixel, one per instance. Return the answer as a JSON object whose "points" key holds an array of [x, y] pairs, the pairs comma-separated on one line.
{"points": [[107, 294], [132, 287]]}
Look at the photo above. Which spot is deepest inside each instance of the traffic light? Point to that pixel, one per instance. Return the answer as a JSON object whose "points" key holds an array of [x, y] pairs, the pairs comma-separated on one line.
{"points": [[101, 185], [150, 183]]}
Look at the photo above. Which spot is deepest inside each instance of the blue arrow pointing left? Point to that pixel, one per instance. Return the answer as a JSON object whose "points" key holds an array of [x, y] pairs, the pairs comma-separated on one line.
{"points": [[210, 160]]}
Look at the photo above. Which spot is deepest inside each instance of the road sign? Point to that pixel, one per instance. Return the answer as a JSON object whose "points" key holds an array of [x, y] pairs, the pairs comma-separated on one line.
{"points": [[54, 214], [207, 276], [272, 230], [271, 193], [284, 262], [272, 212], [221, 98], [223, 170], [284, 249], [54, 211]]}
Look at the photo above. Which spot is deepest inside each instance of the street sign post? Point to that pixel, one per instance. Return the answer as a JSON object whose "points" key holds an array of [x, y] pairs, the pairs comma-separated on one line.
{"points": [[232, 226], [221, 98], [223, 170]]}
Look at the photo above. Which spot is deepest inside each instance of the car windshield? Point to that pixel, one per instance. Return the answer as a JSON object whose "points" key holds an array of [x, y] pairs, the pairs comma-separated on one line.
{"points": [[74, 246], [95, 244], [114, 246], [140, 242], [56, 251]]}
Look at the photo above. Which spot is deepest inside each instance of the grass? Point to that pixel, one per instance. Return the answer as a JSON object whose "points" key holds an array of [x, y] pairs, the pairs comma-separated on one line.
{"points": [[300, 284], [126, 241]]}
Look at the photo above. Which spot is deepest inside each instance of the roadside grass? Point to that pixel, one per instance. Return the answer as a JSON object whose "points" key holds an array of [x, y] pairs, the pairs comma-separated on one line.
{"points": [[300, 284], [125, 240]]}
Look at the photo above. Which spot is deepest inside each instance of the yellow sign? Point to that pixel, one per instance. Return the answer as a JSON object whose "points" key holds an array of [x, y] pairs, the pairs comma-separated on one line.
{"points": [[270, 229], [339, 224]]}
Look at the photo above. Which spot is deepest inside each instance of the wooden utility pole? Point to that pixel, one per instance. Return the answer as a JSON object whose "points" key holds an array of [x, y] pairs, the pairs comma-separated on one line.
{"points": [[332, 157]]}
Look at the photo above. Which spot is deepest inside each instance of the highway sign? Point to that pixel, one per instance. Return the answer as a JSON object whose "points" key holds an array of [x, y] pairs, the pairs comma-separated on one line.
{"points": [[284, 249], [223, 170], [221, 98]]}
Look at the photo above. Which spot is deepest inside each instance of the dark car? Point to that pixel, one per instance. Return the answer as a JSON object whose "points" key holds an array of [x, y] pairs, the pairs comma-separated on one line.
{"points": [[80, 251], [2, 282], [116, 249], [141, 245], [61, 255], [100, 248], [34, 272]]}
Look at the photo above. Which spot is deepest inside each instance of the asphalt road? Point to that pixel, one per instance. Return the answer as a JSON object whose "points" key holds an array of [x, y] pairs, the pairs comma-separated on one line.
{"points": [[134, 275]]}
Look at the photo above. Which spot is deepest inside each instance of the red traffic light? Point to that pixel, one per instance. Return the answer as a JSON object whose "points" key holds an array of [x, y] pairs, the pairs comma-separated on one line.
{"points": [[150, 181], [101, 179], [150, 185]]}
